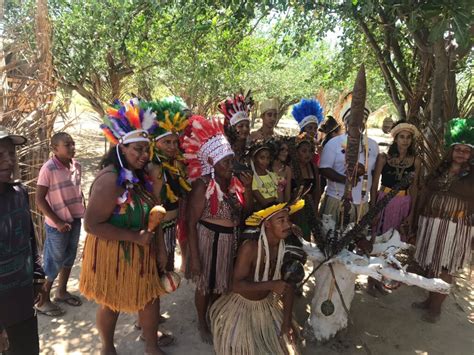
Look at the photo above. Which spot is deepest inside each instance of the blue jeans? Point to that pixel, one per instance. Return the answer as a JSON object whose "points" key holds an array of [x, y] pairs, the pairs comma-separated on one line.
{"points": [[60, 249]]}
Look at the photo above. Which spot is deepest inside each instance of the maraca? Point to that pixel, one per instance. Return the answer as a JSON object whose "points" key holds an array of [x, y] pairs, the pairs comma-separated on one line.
{"points": [[156, 215]]}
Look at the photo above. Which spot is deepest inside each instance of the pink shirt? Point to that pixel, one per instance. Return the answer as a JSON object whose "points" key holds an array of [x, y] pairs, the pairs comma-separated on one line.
{"points": [[64, 189]]}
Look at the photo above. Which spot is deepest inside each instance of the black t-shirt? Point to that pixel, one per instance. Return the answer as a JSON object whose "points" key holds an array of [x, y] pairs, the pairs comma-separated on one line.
{"points": [[19, 260]]}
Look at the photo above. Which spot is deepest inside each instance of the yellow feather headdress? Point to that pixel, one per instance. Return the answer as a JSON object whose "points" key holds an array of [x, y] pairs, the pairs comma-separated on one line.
{"points": [[257, 218]]}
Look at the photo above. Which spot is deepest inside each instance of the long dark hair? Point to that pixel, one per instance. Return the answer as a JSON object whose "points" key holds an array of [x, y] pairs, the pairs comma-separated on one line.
{"points": [[393, 149], [111, 158]]}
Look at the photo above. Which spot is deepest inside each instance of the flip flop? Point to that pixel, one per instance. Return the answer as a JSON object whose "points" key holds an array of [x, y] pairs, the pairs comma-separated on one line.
{"points": [[164, 340], [70, 300], [54, 311]]}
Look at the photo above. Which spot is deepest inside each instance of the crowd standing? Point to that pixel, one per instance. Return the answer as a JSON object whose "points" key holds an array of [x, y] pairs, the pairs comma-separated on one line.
{"points": [[234, 200]]}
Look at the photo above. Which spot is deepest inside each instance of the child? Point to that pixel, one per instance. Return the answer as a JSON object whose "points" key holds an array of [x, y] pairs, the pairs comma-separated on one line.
{"points": [[59, 197], [265, 183]]}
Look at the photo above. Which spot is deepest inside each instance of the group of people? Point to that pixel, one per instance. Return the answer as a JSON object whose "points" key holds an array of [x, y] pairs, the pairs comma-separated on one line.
{"points": [[234, 201]]}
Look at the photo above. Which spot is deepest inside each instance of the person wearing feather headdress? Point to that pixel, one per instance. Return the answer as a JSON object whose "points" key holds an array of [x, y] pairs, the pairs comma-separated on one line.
{"points": [[166, 167], [236, 111], [256, 317], [446, 214], [121, 257], [333, 167], [217, 197], [308, 113], [270, 114]]}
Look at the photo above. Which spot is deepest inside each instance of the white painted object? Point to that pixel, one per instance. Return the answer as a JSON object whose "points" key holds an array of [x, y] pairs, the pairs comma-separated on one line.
{"points": [[347, 265]]}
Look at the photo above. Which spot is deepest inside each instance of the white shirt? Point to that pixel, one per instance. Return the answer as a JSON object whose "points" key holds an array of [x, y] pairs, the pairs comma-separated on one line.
{"points": [[334, 157]]}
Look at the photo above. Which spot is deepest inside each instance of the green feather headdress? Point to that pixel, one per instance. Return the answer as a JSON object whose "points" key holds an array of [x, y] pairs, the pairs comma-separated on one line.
{"points": [[460, 131], [170, 116]]}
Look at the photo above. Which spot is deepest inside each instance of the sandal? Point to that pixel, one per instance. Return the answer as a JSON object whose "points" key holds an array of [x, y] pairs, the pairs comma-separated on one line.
{"points": [[51, 311], [71, 300], [164, 340]]}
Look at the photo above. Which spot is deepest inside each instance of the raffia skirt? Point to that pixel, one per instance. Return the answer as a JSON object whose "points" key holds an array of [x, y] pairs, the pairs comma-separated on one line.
{"points": [[217, 249], [242, 326], [120, 275], [443, 244]]}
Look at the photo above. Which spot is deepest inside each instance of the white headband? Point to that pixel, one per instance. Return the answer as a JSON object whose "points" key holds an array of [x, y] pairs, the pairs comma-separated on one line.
{"points": [[138, 135], [163, 136], [238, 117], [307, 120]]}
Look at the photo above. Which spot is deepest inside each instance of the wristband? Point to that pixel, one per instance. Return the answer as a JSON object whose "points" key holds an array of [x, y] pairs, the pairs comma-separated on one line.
{"points": [[39, 281]]}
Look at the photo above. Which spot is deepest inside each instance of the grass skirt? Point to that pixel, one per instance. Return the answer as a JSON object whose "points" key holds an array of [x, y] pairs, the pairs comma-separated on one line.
{"points": [[242, 326], [216, 247], [443, 244], [120, 275]]}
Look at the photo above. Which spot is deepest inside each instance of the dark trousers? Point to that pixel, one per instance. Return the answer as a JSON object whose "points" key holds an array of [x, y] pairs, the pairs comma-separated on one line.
{"points": [[23, 338]]}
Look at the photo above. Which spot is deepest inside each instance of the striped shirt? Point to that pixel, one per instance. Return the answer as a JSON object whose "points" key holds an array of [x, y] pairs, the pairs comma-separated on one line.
{"points": [[64, 189]]}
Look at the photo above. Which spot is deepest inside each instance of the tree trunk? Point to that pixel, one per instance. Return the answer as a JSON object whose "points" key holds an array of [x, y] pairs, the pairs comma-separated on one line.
{"points": [[3, 73], [438, 86]]}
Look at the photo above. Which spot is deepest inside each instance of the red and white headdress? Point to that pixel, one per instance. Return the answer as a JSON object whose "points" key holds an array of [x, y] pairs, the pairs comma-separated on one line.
{"points": [[206, 146], [236, 109]]}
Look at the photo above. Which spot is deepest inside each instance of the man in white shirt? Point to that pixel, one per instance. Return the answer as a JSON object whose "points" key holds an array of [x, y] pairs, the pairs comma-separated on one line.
{"points": [[333, 167]]}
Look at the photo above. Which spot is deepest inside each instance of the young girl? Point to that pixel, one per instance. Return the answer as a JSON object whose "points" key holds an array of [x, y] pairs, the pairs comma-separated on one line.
{"points": [[305, 178], [280, 166], [264, 183]]}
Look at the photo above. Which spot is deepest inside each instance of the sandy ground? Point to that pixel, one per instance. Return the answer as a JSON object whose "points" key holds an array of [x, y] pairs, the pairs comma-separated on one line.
{"points": [[385, 325]]}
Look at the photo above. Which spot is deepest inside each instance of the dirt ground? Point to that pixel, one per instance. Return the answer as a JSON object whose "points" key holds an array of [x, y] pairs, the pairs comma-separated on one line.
{"points": [[385, 325]]}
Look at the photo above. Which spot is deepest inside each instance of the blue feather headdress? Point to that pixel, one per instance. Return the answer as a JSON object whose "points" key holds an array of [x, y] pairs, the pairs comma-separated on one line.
{"points": [[307, 111]]}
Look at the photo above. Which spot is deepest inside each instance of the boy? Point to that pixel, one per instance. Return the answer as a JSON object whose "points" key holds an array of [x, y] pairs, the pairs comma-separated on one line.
{"points": [[59, 197], [21, 275], [251, 319]]}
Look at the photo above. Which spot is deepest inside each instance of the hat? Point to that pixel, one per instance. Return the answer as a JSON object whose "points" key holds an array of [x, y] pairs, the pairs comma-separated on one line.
{"points": [[397, 128], [329, 125], [270, 104], [236, 109], [126, 123], [169, 116], [256, 219], [307, 111], [16, 139], [204, 148], [460, 131]]}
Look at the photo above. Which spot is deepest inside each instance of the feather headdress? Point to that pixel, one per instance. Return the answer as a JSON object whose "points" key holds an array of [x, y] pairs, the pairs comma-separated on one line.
{"points": [[236, 109], [307, 111], [169, 116], [460, 131], [204, 148], [256, 220], [127, 122]]}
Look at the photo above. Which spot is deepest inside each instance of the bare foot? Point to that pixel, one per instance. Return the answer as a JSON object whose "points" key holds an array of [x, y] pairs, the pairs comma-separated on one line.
{"points": [[154, 351], [205, 333], [421, 305]]}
